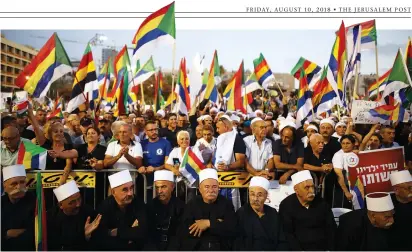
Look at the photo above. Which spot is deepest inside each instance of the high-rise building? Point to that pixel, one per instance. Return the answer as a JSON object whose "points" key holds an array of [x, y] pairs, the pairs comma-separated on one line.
{"points": [[14, 57], [106, 53]]}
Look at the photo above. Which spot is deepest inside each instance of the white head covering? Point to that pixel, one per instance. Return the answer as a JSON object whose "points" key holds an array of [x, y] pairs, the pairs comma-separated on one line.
{"points": [[66, 190], [340, 124], [164, 175], [207, 173], [258, 111], [13, 171], [235, 118], [260, 182], [252, 115], [120, 178], [327, 120], [379, 202], [161, 112], [286, 123], [400, 177], [301, 176], [226, 117], [257, 119], [281, 118], [311, 126]]}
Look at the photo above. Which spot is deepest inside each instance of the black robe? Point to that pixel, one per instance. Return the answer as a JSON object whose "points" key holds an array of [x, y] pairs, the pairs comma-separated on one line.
{"points": [[66, 232], [222, 229], [128, 237], [18, 216], [254, 233], [402, 225], [355, 232], [164, 221], [310, 228]]}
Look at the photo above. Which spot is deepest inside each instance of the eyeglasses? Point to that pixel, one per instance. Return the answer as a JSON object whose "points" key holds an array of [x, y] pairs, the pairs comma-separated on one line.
{"points": [[9, 138]]}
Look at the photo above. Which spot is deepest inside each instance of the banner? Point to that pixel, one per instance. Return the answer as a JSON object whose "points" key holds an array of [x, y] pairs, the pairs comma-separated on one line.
{"points": [[360, 112], [277, 193], [236, 179], [51, 179], [374, 167]]}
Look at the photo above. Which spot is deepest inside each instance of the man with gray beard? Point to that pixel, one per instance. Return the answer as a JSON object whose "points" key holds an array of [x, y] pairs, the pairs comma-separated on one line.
{"points": [[17, 211]]}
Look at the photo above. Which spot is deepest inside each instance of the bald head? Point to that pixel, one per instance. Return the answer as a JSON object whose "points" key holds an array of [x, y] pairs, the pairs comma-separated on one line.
{"points": [[316, 142]]}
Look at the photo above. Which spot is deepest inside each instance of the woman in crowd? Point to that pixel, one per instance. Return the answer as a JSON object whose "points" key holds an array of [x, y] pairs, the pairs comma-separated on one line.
{"points": [[372, 140], [55, 141], [89, 156], [340, 167]]}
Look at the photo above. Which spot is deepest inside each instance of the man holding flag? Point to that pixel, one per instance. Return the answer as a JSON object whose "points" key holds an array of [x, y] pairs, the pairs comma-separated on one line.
{"points": [[17, 211]]}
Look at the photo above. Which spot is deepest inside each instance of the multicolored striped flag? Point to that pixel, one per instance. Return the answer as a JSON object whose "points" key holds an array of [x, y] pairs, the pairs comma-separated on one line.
{"points": [[235, 100], [85, 85], [311, 69], [337, 63], [324, 96], [31, 155], [251, 84], [408, 56], [40, 219], [211, 93], [263, 73], [368, 36], [104, 78], [183, 89], [398, 78], [359, 200], [191, 165], [395, 113], [20, 106], [50, 64], [157, 28], [145, 72], [378, 86], [305, 106], [57, 109]]}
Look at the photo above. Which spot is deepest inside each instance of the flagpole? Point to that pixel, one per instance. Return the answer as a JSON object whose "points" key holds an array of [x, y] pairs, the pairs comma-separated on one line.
{"points": [[173, 75], [355, 87], [141, 86]]}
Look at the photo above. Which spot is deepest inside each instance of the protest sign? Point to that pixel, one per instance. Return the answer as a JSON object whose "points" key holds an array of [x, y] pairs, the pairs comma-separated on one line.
{"points": [[374, 168]]}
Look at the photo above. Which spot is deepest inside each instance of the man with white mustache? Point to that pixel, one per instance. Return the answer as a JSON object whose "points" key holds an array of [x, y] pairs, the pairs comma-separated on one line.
{"points": [[368, 230], [209, 221], [402, 187], [308, 220], [259, 225], [17, 211]]}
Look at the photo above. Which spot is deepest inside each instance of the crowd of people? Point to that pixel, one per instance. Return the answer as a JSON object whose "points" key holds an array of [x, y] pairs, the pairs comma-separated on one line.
{"points": [[266, 143]]}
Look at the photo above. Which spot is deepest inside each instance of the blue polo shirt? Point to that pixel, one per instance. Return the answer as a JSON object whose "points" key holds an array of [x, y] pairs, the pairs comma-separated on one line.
{"points": [[154, 153]]}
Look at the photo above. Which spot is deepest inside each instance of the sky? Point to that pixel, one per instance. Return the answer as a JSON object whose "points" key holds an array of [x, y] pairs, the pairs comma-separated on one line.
{"points": [[281, 48]]}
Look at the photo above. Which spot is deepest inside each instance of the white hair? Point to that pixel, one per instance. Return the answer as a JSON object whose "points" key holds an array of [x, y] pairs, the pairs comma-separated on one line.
{"points": [[182, 132], [116, 126]]}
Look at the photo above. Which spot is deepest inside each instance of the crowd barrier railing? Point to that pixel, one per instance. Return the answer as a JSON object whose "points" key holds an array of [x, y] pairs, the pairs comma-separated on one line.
{"points": [[84, 178]]}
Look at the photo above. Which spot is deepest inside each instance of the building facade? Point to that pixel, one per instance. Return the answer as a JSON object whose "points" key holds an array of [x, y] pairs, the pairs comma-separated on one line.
{"points": [[14, 58]]}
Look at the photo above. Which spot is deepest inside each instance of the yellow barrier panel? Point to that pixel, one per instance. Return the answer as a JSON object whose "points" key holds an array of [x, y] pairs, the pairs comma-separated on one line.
{"points": [[51, 179], [237, 179]]}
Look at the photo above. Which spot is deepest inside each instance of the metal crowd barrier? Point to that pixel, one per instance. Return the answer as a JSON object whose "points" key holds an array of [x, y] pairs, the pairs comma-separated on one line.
{"points": [[320, 188], [105, 172]]}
